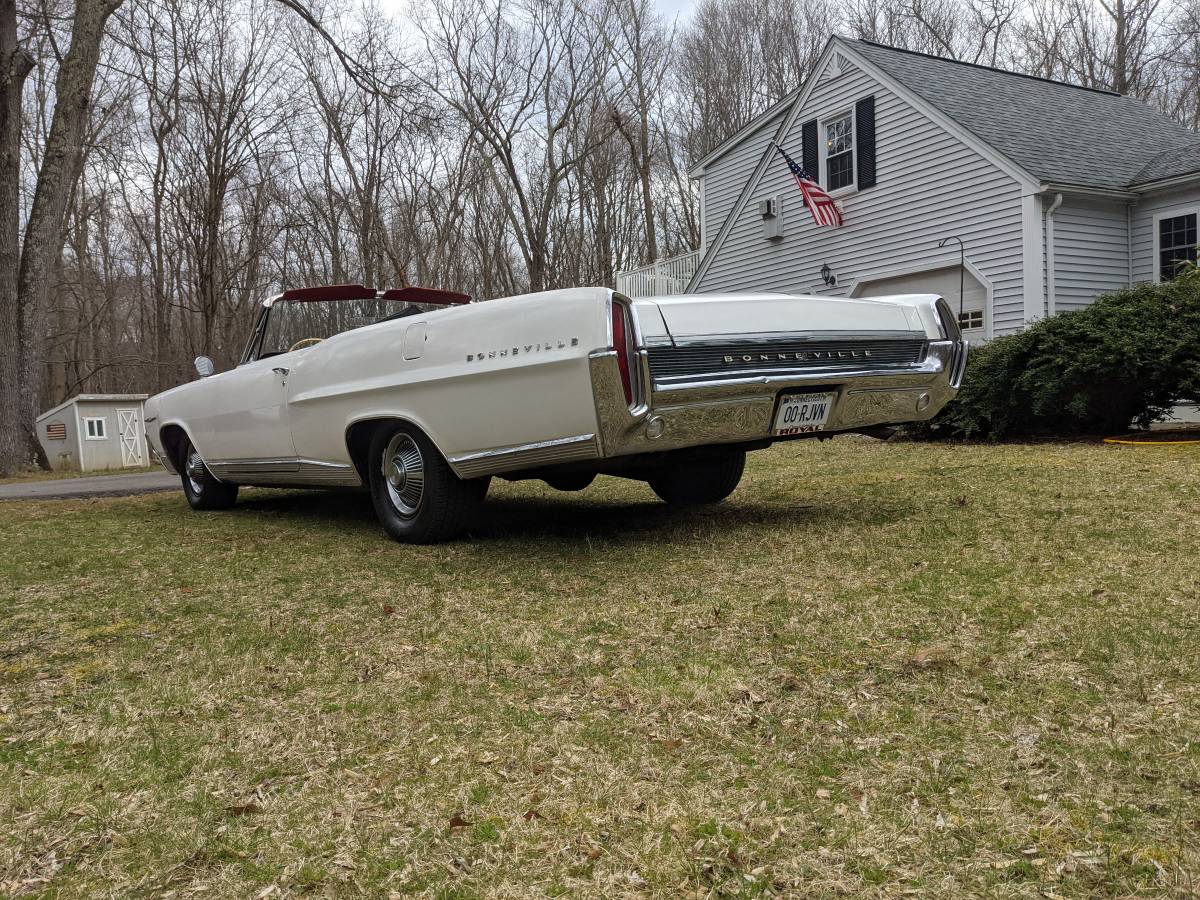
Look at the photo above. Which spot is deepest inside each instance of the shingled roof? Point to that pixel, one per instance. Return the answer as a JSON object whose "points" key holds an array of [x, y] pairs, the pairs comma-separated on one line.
{"points": [[1057, 132], [1170, 163]]}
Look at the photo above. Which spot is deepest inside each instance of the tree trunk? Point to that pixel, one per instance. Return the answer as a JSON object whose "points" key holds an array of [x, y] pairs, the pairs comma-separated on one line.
{"points": [[15, 65], [23, 311]]}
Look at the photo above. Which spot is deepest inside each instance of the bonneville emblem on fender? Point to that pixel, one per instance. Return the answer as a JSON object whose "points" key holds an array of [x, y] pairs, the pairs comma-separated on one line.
{"points": [[525, 350]]}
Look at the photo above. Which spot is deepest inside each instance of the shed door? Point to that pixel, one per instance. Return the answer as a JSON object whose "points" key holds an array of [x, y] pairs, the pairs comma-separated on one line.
{"points": [[945, 283], [129, 429]]}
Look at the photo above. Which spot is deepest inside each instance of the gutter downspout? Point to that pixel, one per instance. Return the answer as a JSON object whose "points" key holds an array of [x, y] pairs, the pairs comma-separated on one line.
{"points": [[1050, 273], [1129, 244]]}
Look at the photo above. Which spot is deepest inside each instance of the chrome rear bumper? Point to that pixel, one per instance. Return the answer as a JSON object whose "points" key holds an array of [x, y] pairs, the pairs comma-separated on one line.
{"points": [[726, 408]]}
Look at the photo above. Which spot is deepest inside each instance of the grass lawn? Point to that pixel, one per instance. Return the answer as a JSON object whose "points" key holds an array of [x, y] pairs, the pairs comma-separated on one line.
{"points": [[879, 669]]}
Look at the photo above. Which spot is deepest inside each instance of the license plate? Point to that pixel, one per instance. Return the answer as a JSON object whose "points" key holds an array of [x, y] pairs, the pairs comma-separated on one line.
{"points": [[802, 413]]}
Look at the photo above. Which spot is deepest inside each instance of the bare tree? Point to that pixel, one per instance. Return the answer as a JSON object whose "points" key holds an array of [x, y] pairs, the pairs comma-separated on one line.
{"points": [[23, 297], [527, 82], [642, 57]]}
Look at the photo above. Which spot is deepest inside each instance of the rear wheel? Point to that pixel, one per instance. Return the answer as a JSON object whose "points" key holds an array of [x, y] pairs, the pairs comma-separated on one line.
{"points": [[417, 497], [570, 481], [706, 480], [202, 490]]}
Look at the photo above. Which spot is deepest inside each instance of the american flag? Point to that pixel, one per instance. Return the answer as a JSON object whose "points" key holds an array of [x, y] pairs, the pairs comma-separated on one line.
{"points": [[823, 207]]}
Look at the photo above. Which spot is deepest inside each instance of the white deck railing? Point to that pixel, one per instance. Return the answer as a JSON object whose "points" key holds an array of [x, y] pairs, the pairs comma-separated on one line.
{"points": [[667, 276]]}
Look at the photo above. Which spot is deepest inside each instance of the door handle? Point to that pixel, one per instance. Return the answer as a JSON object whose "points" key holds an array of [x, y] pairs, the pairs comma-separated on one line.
{"points": [[280, 370]]}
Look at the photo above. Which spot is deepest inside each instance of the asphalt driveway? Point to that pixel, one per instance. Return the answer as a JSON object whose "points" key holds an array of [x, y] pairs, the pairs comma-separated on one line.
{"points": [[91, 486]]}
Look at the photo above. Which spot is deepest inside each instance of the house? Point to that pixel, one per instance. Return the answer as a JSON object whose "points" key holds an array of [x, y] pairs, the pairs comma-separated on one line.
{"points": [[95, 431], [1057, 193]]}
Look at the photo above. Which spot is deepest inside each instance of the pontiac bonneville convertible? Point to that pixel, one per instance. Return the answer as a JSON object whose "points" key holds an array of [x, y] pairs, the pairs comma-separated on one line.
{"points": [[421, 396]]}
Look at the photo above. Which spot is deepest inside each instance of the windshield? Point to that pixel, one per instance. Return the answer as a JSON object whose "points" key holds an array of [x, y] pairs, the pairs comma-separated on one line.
{"points": [[292, 322]]}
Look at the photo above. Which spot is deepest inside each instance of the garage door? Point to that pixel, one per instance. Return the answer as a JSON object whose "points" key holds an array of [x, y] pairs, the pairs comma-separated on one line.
{"points": [[943, 282]]}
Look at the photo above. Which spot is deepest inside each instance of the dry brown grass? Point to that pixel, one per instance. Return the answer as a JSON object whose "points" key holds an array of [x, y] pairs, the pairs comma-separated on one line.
{"points": [[876, 670]]}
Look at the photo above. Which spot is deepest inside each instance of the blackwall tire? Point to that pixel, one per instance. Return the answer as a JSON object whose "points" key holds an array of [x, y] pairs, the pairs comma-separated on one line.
{"points": [[708, 480], [417, 496], [202, 490]]}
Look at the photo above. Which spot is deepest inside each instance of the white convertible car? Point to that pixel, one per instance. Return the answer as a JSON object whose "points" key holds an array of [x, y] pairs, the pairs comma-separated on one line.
{"points": [[421, 396]]}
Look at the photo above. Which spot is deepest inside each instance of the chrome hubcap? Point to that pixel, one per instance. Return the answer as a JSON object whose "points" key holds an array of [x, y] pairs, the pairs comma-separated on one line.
{"points": [[194, 469], [404, 474]]}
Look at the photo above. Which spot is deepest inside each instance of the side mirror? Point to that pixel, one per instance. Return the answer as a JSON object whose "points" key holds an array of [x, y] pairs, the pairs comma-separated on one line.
{"points": [[204, 366]]}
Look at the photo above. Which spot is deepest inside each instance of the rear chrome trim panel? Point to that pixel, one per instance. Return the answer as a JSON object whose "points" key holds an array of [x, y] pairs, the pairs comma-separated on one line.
{"points": [[783, 355], [526, 456]]}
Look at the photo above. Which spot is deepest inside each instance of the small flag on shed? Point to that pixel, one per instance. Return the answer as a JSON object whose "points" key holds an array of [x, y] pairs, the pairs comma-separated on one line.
{"points": [[56, 431], [824, 208]]}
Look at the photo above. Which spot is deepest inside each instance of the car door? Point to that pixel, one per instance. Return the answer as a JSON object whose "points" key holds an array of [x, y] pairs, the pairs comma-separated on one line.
{"points": [[245, 415]]}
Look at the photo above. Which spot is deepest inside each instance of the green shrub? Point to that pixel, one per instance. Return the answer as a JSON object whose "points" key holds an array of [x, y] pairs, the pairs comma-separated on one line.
{"points": [[1122, 361]]}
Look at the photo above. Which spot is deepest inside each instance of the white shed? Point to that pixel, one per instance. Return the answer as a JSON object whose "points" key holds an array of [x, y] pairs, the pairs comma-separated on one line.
{"points": [[93, 432]]}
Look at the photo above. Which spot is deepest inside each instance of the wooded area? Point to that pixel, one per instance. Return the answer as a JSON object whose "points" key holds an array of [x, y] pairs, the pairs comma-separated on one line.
{"points": [[166, 163]]}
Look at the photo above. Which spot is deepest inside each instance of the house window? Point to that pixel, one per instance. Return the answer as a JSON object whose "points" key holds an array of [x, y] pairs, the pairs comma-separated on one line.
{"points": [[970, 318], [95, 429], [839, 152], [1176, 244]]}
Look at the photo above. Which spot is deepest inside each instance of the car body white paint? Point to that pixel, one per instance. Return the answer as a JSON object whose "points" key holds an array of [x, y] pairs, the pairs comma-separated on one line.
{"points": [[526, 381]]}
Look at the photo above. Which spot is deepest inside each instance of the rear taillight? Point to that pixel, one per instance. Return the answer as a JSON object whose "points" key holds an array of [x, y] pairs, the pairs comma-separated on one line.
{"points": [[622, 335], [949, 321]]}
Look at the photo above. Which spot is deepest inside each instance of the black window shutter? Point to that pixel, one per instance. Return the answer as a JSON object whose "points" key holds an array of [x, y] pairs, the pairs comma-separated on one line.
{"points": [[808, 139], [864, 140]]}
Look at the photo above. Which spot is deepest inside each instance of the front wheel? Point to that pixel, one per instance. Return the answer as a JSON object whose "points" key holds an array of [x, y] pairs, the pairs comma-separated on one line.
{"points": [[707, 480], [417, 497], [202, 490]]}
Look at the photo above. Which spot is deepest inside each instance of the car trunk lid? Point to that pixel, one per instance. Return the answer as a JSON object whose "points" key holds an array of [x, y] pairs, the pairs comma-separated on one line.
{"points": [[742, 316]]}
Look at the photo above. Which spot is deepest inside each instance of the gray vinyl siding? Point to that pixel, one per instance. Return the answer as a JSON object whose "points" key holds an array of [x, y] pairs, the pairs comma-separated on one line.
{"points": [[725, 177], [1091, 251], [930, 185], [1173, 202]]}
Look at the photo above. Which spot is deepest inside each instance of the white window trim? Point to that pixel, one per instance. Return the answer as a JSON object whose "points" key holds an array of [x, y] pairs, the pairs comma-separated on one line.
{"points": [[1171, 213], [823, 152], [103, 420]]}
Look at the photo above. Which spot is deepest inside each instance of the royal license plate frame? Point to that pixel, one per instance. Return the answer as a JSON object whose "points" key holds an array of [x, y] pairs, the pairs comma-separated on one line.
{"points": [[802, 402]]}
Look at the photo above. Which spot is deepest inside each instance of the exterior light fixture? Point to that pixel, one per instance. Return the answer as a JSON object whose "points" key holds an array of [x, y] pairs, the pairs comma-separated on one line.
{"points": [[827, 275]]}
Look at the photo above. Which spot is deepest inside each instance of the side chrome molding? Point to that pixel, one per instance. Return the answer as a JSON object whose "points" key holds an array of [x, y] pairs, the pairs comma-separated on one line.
{"points": [[285, 471]]}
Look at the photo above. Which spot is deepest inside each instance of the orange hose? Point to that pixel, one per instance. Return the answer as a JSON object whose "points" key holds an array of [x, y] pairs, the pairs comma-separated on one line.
{"points": [[1109, 440]]}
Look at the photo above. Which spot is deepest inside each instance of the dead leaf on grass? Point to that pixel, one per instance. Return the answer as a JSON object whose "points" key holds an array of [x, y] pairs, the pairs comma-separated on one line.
{"points": [[746, 695], [788, 682], [936, 657]]}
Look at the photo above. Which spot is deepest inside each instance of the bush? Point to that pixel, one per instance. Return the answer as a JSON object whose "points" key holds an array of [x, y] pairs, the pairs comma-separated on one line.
{"points": [[1122, 361]]}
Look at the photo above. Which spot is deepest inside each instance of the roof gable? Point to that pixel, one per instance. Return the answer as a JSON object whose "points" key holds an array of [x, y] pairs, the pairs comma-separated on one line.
{"points": [[1174, 163], [1057, 132]]}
